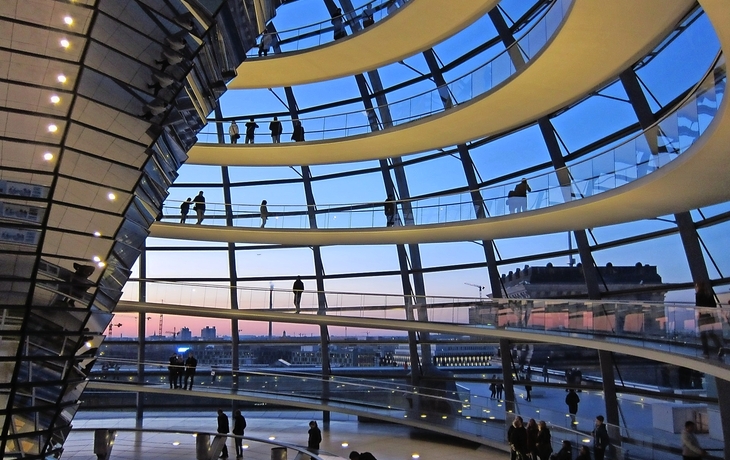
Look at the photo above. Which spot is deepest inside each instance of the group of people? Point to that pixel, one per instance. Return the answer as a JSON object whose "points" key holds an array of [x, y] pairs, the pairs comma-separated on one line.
{"points": [[198, 206], [239, 425], [534, 442], [182, 371], [274, 127]]}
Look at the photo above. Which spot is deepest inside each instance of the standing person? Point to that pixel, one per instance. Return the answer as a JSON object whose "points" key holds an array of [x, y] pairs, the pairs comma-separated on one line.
{"points": [[239, 425], [500, 389], [223, 428], [297, 134], [367, 17], [565, 452], [355, 455], [171, 369], [315, 437], [265, 44], [298, 289], [233, 132], [338, 26], [528, 390], [191, 364], [492, 390], [691, 449], [179, 371], [199, 207], [544, 444], [264, 213], [572, 400], [600, 439], [545, 374], [250, 131], [517, 439], [390, 208], [185, 209], [520, 195], [584, 453], [275, 128], [532, 431], [706, 322]]}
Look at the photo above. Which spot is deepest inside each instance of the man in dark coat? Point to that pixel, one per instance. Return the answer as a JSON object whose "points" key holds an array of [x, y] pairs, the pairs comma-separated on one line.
{"points": [[223, 428], [315, 437], [199, 207], [191, 365], [572, 400], [390, 208], [298, 289], [275, 128], [239, 425], [184, 210], [600, 439]]}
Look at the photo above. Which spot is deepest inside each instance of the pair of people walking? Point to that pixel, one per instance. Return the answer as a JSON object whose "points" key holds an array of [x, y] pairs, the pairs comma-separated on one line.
{"points": [[275, 128]]}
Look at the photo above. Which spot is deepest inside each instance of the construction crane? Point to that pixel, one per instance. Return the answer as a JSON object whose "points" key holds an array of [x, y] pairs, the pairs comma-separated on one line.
{"points": [[111, 326], [174, 332], [478, 287], [159, 329]]}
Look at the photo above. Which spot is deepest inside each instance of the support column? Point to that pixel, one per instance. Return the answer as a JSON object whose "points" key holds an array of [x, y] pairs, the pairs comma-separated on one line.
{"points": [[141, 333], [608, 378], [505, 351], [505, 34]]}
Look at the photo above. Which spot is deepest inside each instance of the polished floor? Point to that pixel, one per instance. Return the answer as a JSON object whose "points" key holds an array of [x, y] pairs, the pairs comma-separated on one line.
{"points": [[344, 434]]}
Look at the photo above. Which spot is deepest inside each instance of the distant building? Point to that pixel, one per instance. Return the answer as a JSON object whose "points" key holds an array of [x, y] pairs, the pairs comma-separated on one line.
{"points": [[208, 333], [185, 334], [551, 282]]}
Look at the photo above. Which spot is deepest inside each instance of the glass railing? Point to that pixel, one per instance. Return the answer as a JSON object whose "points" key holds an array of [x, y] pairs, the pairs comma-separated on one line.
{"points": [[321, 33], [473, 417], [673, 328], [609, 169], [130, 442], [470, 85]]}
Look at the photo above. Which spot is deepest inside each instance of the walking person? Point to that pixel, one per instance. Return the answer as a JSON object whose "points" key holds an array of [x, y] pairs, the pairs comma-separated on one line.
{"points": [[199, 207], [600, 439], [572, 400], [233, 132], [691, 449], [315, 437], [297, 134], [239, 425], [390, 208], [264, 213], [191, 365], [338, 25], [275, 128], [223, 428], [710, 328], [185, 209], [492, 390], [528, 391], [298, 289], [250, 131], [171, 370], [500, 389]]}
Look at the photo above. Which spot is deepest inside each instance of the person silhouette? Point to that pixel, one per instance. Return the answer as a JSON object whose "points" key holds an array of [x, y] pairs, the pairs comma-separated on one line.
{"points": [[298, 289]]}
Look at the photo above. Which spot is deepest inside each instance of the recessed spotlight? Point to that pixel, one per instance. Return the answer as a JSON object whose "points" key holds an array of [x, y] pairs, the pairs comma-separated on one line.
{"points": [[101, 264], [271, 438], [97, 234], [345, 444], [245, 446], [88, 344], [55, 99], [111, 196], [415, 456], [61, 78], [176, 443], [65, 43], [68, 20], [96, 259], [48, 156], [52, 128]]}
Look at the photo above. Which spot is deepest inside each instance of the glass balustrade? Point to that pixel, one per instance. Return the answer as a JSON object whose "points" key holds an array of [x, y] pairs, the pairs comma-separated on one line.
{"points": [[320, 33], [465, 88], [606, 170], [673, 328]]}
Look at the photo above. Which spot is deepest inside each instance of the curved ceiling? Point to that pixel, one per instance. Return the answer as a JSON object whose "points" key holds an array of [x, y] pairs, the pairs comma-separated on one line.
{"points": [[416, 27], [597, 41], [639, 348]]}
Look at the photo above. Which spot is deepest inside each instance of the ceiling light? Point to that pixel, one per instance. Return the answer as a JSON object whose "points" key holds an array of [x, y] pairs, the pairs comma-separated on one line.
{"points": [[101, 265], [61, 78], [68, 20], [415, 456], [96, 259], [344, 444], [52, 128], [245, 446], [55, 99], [97, 234], [65, 43], [271, 438], [111, 196], [176, 443], [48, 156]]}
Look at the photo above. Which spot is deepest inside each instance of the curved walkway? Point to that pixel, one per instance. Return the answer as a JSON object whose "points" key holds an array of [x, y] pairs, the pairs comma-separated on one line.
{"points": [[416, 27], [672, 350], [596, 42]]}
